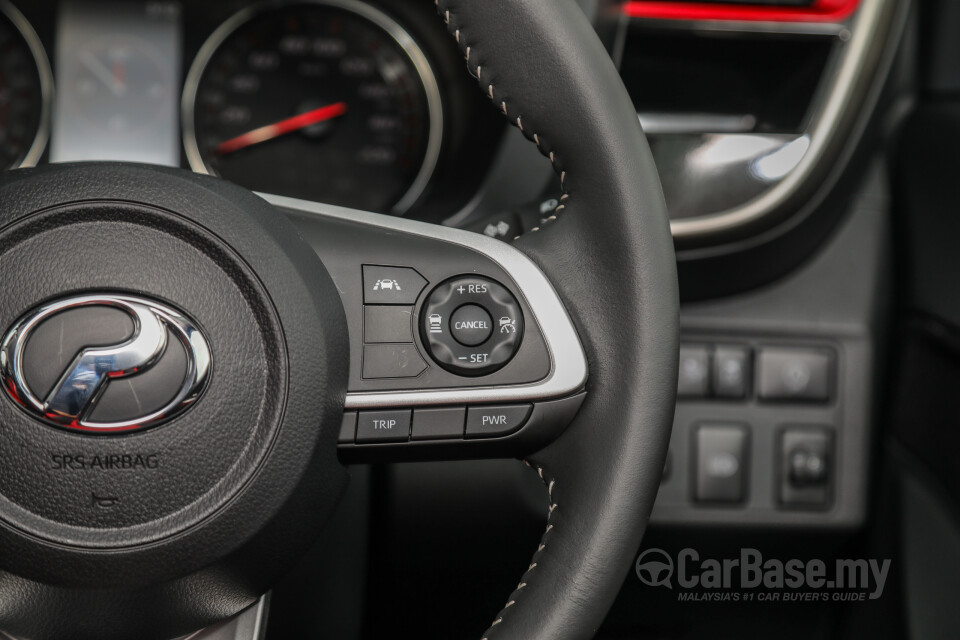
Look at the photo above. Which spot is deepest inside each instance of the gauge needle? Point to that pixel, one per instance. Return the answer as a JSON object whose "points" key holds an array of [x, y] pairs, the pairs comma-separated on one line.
{"points": [[113, 79], [277, 129]]}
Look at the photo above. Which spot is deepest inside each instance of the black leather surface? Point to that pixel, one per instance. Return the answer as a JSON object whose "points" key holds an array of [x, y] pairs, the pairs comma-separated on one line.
{"points": [[610, 256]]}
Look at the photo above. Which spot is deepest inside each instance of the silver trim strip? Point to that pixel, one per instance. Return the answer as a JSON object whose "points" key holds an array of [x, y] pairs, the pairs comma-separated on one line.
{"points": [[21, 24], [568, 371], [831, 112], [374, 15], [249, 624]]}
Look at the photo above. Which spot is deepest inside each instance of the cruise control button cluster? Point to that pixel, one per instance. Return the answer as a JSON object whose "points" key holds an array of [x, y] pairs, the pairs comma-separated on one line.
{"points": [[471, 325]]}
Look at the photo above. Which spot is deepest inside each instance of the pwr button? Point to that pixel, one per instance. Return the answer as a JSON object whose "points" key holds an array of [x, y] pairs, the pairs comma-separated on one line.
{"points": [[493, 422]]}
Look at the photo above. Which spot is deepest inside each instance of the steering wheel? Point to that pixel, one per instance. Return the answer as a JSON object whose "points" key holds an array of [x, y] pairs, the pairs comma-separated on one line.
{"points": [[181, 364]]}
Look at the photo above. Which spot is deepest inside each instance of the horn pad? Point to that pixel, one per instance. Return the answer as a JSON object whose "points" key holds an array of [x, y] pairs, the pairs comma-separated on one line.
{"points": [[130, 459]]}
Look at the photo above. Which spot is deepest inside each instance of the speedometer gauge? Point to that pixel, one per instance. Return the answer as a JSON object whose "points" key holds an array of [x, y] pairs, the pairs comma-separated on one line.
{"points": [[327, 100], [26, 84]]}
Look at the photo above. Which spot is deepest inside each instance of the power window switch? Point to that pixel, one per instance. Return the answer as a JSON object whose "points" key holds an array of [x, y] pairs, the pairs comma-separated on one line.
{"points": [[721, 456]]}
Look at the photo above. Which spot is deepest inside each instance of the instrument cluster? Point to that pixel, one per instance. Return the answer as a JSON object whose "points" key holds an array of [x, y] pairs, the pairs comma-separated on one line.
{"points": [[356, 103]]}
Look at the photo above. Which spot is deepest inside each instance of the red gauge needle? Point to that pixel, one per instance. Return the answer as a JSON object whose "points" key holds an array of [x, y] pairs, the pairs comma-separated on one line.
{"points": [[277, 129]]}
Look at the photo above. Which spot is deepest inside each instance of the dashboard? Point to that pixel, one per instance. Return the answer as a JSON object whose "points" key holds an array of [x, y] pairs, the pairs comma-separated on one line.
{"points": [[339, 101], [364, 104]]}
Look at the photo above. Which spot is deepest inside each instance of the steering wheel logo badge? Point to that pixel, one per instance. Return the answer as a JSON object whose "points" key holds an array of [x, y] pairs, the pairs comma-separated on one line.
{"points": [[655, 568], [101, 385]]}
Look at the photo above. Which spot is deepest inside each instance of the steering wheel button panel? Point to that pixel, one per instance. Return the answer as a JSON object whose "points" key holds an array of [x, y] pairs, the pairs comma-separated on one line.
{"points": [[493, 422], [391, 285], [383, 426], [458, 327]]}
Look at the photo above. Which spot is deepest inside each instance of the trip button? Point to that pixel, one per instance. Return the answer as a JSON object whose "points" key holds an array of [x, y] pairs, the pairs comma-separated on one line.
{"points": [[383, 426], [493, 422], [391, 285], [471, 325]]}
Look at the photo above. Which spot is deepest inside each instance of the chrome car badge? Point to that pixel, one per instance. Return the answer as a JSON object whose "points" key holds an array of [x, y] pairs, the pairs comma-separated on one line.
{"points": [[83, 387]]}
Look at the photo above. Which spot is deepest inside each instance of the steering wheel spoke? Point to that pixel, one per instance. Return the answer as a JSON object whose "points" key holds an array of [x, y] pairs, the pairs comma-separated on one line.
{"points": [[459, 344]]}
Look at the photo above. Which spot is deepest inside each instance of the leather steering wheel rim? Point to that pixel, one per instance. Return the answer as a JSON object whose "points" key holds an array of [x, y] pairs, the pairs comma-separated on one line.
{"points": [[609, 253]]}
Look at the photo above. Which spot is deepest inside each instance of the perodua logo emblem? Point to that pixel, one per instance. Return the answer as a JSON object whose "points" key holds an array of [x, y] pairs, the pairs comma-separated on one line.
{"points": [[104, 363]]}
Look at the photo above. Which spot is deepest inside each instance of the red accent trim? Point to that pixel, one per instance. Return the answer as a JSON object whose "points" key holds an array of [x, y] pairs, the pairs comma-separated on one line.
{"points": [[818, 11], [289, 125]]}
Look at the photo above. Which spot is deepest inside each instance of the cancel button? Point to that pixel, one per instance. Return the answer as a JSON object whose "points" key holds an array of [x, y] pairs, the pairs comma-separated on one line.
{"points": [[471, 325], [492, 422]]}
